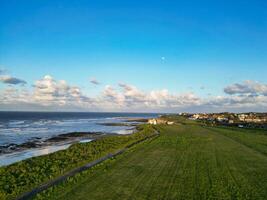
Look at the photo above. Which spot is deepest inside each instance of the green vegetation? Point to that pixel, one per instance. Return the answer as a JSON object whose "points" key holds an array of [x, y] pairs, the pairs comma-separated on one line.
{"points": [[187, 161], [25, 175], [253, 138]]}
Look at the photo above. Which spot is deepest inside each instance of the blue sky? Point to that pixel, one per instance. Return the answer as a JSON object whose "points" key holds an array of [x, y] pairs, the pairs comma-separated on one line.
{"points": [[182, 46]]}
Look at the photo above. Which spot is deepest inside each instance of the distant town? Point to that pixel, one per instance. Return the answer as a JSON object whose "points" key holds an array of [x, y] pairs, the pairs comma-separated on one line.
{"points": [[249, 120], [241, 120]]}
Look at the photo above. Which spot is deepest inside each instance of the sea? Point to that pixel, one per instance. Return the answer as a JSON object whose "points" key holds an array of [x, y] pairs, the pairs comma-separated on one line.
{"points": [[21, 127]]}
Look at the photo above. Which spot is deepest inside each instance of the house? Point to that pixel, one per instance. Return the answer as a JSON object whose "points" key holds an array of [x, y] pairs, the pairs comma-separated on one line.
{"points": [[195, 116], [152, 121], [231, 121], [159, 121], [222, 119], [242, 117]]}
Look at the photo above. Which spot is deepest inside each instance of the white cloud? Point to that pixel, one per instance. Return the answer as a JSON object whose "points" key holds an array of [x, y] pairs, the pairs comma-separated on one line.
{"points": [[46, 92], [247, 87], [246, 96], [112, 96], [238, 102], [49, 91], [130, 97], [54, 94], [11, 95]]}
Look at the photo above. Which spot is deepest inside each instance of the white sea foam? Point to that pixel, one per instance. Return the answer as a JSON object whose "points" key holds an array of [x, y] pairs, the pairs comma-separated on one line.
{"points": [[124, 131], [14, 122], [9, 130], [7, 159], [85, 140]]}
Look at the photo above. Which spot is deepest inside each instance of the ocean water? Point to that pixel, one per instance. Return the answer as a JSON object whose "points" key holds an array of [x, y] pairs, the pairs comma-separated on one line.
{"points": [[20, 127]]}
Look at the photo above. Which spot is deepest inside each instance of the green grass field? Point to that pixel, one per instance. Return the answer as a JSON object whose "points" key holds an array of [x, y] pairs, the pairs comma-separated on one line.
{"points": [[186, 161]]}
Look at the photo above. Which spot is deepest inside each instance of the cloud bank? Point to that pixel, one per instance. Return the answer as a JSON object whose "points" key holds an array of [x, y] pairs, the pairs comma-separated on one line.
{"points": [[48, 91], [51, 94], [247, 87]]}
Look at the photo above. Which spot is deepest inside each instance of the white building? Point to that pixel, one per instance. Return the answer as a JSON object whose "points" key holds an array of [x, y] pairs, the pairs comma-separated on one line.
{"points": [[242, 117], [195, 116], [159, 121], [152, 121]]}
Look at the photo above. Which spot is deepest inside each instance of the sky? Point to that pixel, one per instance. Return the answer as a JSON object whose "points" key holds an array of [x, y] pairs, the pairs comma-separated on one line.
{"points": [[133, 56]]}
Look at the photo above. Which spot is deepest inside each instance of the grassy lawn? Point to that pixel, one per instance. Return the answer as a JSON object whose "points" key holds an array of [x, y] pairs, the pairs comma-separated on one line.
{"points": [[186, 162]]}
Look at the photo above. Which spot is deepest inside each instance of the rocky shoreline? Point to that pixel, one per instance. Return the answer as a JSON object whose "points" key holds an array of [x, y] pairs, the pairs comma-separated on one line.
{"points": [[140, 120], [67, 138]]}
